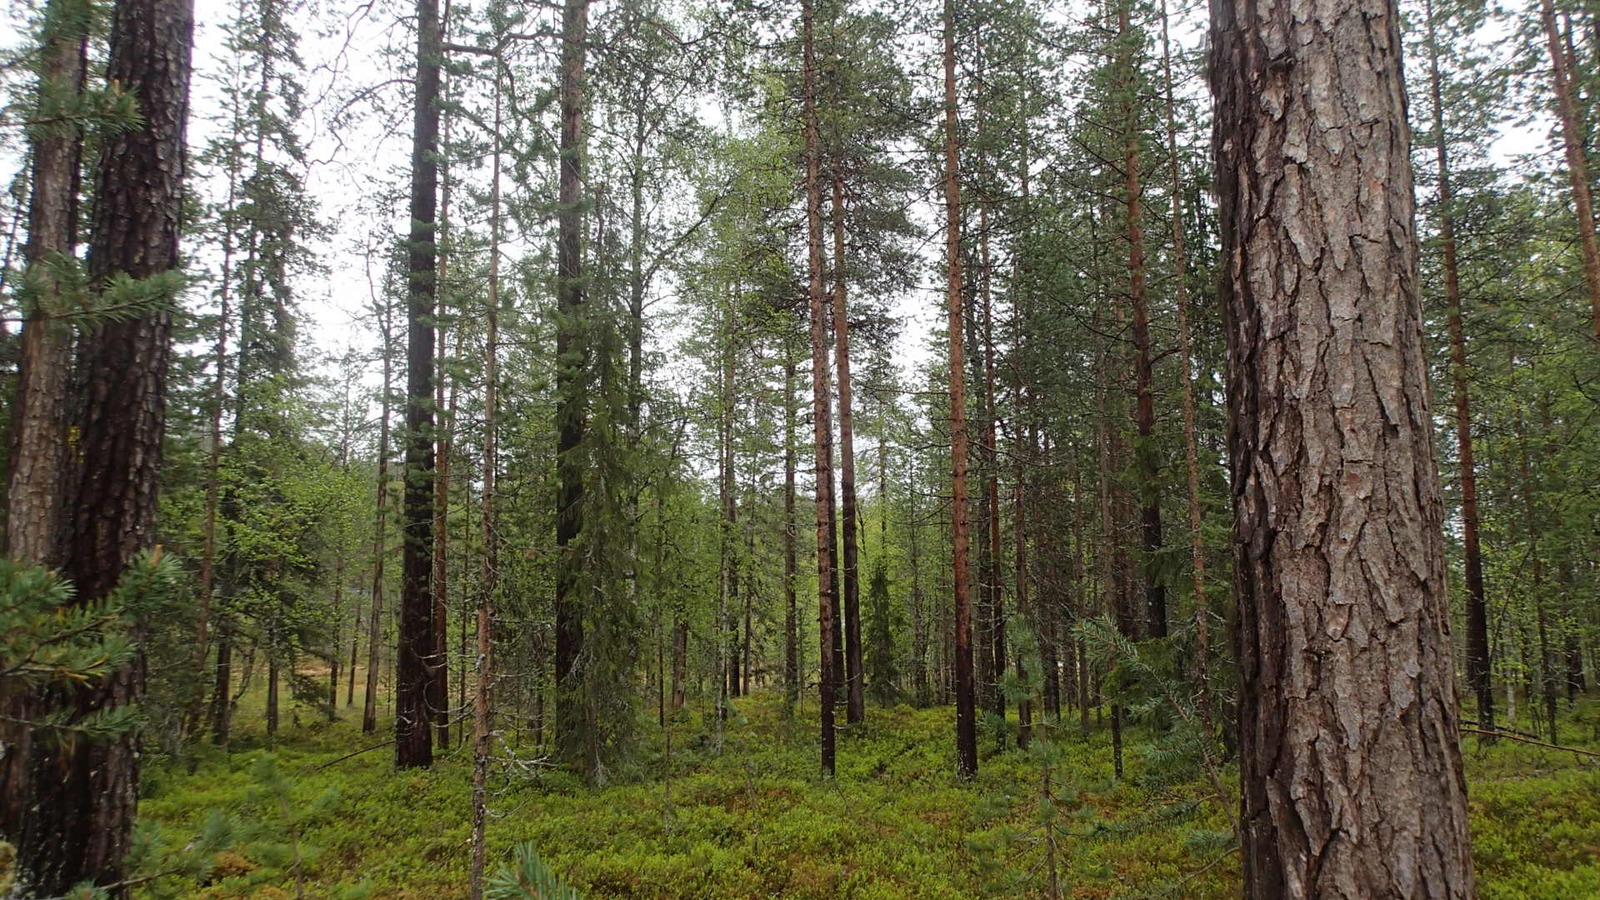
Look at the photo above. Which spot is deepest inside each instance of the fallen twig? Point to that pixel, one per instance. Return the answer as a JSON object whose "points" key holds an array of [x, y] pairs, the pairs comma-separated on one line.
{"points": [[350, 756], [1522, 740]]}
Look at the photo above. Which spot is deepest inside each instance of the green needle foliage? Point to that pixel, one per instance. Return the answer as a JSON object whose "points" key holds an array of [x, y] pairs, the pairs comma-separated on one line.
{"points": [[528, 878], [51, 643]]}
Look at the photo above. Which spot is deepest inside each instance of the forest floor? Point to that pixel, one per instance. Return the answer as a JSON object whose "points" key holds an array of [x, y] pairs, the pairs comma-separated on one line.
{"points": [[755, 820]]}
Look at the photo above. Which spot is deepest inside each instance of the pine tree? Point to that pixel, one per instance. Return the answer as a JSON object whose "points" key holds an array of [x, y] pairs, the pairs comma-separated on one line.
{"points": [[966, 707], [1345, 626], [822, 417], [37, 459], [416, 660], [83, 794]]}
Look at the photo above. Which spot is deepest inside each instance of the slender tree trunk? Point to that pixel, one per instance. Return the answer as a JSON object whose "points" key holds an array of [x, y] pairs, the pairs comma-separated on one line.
{"points": [[921, 689], [222, 686], [1349, 738], [439, 674], [680, 664], [336, 642], [791, 625], [1191, 455], [727, 662], [749, 597], [83, 794], [1020, 534], [489, 574], [273, 641], [355, 644], [1052, 591], [1146, 455], [966, 711], [822, 418], [575, 742], [439, 683], [369, 710], [1533, 526], [1479, 664], [1577, 162], [855, 704], [990, 579]]}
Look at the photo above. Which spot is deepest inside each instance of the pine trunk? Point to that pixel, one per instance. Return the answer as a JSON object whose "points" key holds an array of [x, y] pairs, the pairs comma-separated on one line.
{"points": [[990, 579], [822, 418], [417, 647], [1479, 664], [1146, 456], [39, 413], [83, 794], [439, 684], [791, 625], [1577, 160], [1191, 454], [966, 707], [369, 709], [1349, 738], [855, 704], [489, 573], [39, 410], [572, 733]]}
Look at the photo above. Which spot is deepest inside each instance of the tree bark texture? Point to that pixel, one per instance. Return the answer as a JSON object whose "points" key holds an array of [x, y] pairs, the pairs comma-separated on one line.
{"points": [[38, 415], [39, 408], [1351, 767], [83, 794], [414, 660]]}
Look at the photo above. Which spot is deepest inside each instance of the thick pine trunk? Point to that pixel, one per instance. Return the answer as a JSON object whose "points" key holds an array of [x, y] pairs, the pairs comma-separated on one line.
{"points": [[83, 794], [1349, 740], [966, 706], [417, 648], [822, 417]]}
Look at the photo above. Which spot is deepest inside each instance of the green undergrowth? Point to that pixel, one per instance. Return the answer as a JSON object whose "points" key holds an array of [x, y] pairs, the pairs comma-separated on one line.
{"points": [[754, 819]]}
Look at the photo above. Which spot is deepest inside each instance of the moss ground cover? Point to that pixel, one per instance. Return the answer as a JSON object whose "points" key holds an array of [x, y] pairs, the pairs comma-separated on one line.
{"points": [[751, 818]]}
